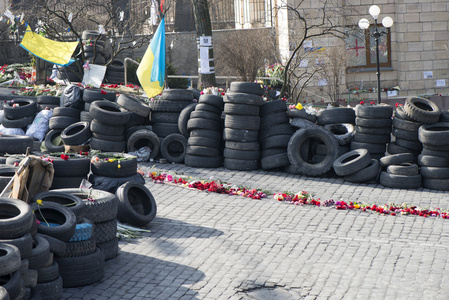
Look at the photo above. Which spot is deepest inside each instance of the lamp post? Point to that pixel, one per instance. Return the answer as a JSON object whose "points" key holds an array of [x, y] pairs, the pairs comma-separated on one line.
{"points": [[387, 22]]}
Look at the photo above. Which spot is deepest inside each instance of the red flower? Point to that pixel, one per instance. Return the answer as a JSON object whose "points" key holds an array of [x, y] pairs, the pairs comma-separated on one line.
{"points": [[362, 102], [372, 103], [103, 92]]}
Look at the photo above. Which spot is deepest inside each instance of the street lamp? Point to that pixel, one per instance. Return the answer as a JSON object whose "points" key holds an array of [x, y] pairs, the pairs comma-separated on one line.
{"points": [[387, 22]]}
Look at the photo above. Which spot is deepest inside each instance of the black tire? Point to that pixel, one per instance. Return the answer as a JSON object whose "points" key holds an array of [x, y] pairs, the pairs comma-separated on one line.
{"points": [[17, 123], [203, 161], [422, 110], [41, 107], [396, 159], [136, 204], [66, 112], [201, 114], [40, 254], [164, 129], [103, 166], [211, 99], [55, 213], [374, 112], [336, 115], [372, 130], [83, 270], [13, 285], [238, 135], [164, 117], [15, 218], [43, 99], [73, 167], [434, 134], [435, 184], [76, 134], [304, 136], [301, 123], [85, 116], [203, 124], [400, 181], [80, 248], [105, 146], [251, 146], [342, 132], [241, 109], [177, 95], [117, 65], [281, 129], [399, 113], [142, 138], [246, 87], [9, 259], [208, 107], [367, 174], [134, 105], [405, 134], [426, 151], [174, 139], [415, 146], [301, 114], [274, 119], [101, 205], [444, 117], [240, 164], [275, 141], [105, 231], [407, 169], [273, 151], [61, 122], [406, 125], [57, 246], [23, 243], [93, 48], [275, 161], [99, 60], [372, 138], [71, 202], [242, 98], [372, 148], [110, 248], [184, 117], [206, 133], [91, 95], [393, 148], [241, 154], [23, 108], [111, 138], [49, 290], [48, 274], [15, 144], [433, 161], [202, 151], [352, 162], [106, 129], [434, 172], [273, 106], [242, 122], [108, 112], [204, 142], [376, 123], [168, 105]]}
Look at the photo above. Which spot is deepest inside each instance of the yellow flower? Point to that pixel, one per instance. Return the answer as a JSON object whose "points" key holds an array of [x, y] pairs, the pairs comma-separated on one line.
{"points": [[154, 173], [39, 201], [356, 206], [119, 166], [299, 106], [111, 160]]}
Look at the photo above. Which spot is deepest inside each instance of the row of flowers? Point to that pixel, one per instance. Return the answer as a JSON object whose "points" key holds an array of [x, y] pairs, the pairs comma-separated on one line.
{"points": [[300, 198]]}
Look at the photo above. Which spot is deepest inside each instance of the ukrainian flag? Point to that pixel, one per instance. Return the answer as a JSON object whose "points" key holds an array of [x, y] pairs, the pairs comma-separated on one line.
{"points": [[151, 71]]}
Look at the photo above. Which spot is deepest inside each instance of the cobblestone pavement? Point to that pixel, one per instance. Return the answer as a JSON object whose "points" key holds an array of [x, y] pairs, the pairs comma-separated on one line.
{"points": [[211, 246]]}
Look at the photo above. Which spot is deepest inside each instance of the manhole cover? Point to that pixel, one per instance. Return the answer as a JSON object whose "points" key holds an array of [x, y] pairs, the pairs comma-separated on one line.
{"points": [[277, 293]]}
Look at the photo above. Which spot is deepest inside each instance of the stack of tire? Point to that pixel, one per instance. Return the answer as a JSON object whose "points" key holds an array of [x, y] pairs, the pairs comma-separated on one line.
{"points": [[407, 121], [242, 124], [93, 46], [91, 95], [373, 128], [111, 170], [340, 122], [108, 126], [15, 144], [165, 111], [101, 211], [18, 113], [205, 127], [69, 171], [62, 118], [434, 159], [44, 102], [357, 166], [115, 72], [274, 148], [400, 171]]}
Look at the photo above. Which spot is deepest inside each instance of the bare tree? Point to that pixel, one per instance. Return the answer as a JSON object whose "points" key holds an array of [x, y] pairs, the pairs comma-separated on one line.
{"points": [[311, 23]]}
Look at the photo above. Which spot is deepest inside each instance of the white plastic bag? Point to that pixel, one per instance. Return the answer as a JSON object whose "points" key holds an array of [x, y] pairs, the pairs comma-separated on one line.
{"points": [[143, 154], [39, 128], [11, 131]]}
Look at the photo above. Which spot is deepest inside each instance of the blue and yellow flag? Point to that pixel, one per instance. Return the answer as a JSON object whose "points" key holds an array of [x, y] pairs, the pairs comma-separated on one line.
{"points": [[151, 71], [59, 53]]}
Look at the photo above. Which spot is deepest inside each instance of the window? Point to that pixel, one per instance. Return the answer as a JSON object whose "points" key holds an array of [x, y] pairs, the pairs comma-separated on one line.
{"points": [[362, 47]]}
